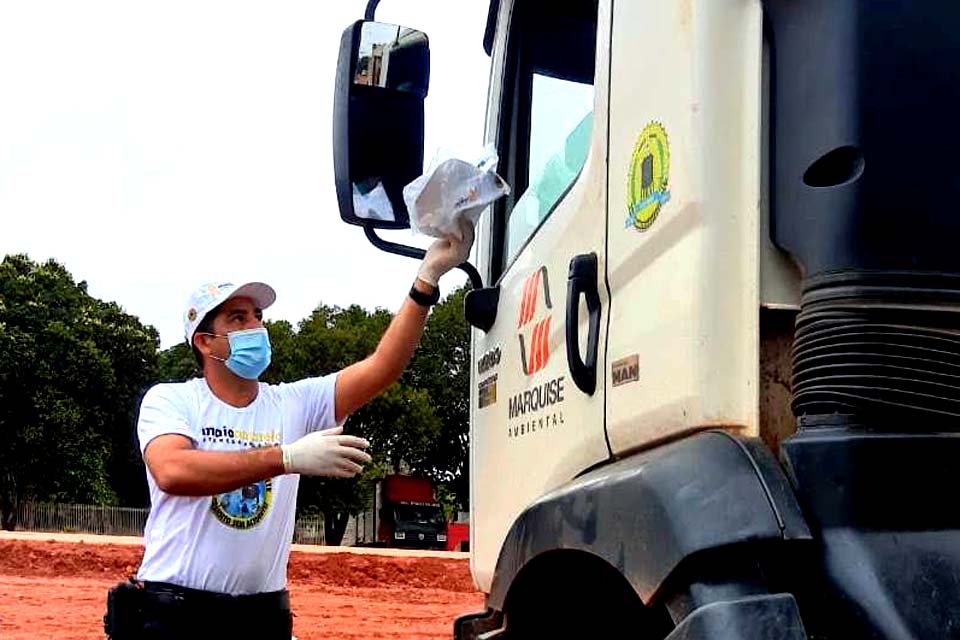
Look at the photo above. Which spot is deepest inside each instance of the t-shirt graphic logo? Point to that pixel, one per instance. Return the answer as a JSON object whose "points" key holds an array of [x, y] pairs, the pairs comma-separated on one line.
{"points": [[245, 507], [533, 326]]}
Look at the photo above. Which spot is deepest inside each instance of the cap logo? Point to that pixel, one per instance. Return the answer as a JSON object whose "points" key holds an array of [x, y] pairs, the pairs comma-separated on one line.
{"points": [[213, 290]]}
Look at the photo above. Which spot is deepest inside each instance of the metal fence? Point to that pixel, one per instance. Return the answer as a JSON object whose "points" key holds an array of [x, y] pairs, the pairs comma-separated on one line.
{"points": [[308, 530], [122, 521], [81, 518]]}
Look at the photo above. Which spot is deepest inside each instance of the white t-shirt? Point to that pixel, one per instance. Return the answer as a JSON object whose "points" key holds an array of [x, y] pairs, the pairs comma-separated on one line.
{"points": [[236, 542]]}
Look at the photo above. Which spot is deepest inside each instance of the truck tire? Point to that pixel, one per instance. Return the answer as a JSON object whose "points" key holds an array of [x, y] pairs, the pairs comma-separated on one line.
{"points": [[573, 595]]}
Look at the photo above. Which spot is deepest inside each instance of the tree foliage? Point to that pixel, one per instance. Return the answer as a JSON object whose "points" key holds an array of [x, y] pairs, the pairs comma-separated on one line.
{"points": [[72, 370], [399, 424], [177, 364]]}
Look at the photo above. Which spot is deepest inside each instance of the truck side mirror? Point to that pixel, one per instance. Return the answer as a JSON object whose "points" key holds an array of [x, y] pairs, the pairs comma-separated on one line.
{"points": [[382, 79]]}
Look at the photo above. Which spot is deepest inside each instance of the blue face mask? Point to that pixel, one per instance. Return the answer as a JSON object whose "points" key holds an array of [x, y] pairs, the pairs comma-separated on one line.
{"points": [[249, 352]]}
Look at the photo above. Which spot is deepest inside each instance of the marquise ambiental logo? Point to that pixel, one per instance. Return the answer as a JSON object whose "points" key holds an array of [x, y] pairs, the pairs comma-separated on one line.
{"points": [[533, 326]]}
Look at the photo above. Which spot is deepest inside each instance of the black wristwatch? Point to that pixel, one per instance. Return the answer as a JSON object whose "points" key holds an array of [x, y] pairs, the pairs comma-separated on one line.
{"points": [[425, 299]]}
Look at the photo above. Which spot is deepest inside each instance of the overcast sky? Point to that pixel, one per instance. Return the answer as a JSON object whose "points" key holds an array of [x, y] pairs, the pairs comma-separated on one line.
{"points": [[150, 147]]}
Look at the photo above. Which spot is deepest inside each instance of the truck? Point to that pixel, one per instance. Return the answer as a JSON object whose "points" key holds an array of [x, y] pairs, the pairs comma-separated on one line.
{"points": [[715, 324], [409, 514]]}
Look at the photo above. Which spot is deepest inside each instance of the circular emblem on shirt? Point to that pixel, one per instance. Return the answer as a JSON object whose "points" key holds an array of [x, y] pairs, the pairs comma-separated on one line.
{"points": [[245, 507], [648, 185]]}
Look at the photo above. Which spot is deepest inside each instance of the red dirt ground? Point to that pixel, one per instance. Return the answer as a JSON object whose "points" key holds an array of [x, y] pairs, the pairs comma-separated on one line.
{"points": [[58, 590]]}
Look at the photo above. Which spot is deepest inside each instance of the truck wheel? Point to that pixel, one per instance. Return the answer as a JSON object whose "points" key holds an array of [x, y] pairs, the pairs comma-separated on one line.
{"points": [[573, 595]]}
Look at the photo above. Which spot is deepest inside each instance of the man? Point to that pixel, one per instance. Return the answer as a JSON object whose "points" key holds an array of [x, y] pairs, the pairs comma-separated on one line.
{"points": [[223, 455]]}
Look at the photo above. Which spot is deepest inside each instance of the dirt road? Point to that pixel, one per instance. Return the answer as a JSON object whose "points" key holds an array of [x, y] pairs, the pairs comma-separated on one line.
{"points": [[57, 589]]}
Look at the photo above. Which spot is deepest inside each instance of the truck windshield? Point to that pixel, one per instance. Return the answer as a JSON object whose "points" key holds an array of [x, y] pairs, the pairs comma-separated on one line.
{"points": [[419, 515]]}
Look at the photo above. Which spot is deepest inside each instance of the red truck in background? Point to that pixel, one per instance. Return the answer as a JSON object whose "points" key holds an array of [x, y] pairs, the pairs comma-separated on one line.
{"points": [[458, 536], [410, 516]]}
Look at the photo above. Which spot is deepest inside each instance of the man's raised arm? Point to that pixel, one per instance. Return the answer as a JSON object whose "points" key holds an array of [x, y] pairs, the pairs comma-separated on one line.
{"points": [[361, 382]]}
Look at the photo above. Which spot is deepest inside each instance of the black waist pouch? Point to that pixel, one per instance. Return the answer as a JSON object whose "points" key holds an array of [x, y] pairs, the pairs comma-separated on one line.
{"points": [[124, 617]]}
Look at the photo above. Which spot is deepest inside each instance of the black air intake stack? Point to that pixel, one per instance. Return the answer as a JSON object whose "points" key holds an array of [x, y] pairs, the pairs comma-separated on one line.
{"points": [[881, 346], [865, 99], [865, 191]]}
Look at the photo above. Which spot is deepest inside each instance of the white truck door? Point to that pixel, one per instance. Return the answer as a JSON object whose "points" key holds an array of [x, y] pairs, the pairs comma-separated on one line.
{"points": [[684, 202], [537, 413]]}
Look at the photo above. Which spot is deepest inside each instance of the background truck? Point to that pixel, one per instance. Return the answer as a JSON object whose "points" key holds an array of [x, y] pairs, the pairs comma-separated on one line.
{"points": [[409, 515], [717, 320]]}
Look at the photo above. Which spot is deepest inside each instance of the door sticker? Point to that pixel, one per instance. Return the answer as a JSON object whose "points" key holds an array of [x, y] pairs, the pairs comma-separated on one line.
{"points": [[487, 391], [489, 360], [649, 178], [533, 326], [626, 370]]}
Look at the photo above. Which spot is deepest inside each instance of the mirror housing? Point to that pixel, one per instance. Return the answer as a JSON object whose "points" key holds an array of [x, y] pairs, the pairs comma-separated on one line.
{"points": [[382, 78]]}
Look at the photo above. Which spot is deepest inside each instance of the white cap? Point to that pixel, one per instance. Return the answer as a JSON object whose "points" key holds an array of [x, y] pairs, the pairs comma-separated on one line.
{"points": [[211, 295]]}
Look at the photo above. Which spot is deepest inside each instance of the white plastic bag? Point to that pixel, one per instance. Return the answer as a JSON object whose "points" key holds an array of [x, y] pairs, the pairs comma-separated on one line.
{"points": [[451, 189]]}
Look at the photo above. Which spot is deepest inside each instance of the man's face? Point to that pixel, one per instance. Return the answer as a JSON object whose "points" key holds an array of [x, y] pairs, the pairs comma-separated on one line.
{"points": [[235, 314]]}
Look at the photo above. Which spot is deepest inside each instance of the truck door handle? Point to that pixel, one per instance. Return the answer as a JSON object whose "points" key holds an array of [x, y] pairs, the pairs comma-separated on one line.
{"points": [[583, 281]]}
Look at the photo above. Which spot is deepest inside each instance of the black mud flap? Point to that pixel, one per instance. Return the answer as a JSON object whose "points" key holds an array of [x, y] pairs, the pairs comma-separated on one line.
{"points": [[475, 625], [771, 617]]}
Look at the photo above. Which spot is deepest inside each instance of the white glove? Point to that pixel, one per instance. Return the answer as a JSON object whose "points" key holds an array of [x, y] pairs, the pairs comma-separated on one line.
{"points": [[326, 453], [445, 254]]}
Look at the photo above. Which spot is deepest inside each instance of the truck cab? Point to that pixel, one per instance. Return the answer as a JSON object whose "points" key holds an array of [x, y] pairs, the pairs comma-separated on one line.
{"points": [[409, 514], [715, 325]]}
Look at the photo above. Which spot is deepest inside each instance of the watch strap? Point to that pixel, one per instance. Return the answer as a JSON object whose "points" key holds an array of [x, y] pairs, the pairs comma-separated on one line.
{"points": [[425, 299]]}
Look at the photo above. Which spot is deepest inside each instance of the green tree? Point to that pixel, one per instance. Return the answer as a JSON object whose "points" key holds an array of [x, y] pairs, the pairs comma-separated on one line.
{"points": [[72, 369], [129, 349], [284, 363], [177, 364], [400, 424]]}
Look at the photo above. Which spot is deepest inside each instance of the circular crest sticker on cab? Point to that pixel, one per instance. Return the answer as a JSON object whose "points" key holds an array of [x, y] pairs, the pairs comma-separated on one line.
{"points": [[649, 181]]}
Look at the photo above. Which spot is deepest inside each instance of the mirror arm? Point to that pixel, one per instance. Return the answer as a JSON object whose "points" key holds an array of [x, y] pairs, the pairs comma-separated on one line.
{"points": [[393, 247], [417, 254], [472, 273], [371, 10]]}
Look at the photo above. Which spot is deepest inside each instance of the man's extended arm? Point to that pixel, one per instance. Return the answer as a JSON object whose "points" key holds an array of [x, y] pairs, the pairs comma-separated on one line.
{"points": [[361, 382], [180, 469]]}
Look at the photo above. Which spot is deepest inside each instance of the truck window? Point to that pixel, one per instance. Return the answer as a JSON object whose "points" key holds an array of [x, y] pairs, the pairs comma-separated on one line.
{"points": [[546, 115], [561, 117], [419, 515]]}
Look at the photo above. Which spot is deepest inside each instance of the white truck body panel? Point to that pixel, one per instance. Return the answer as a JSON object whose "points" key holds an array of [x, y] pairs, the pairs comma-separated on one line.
{"points": [[685, 291], [680, 283]]}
